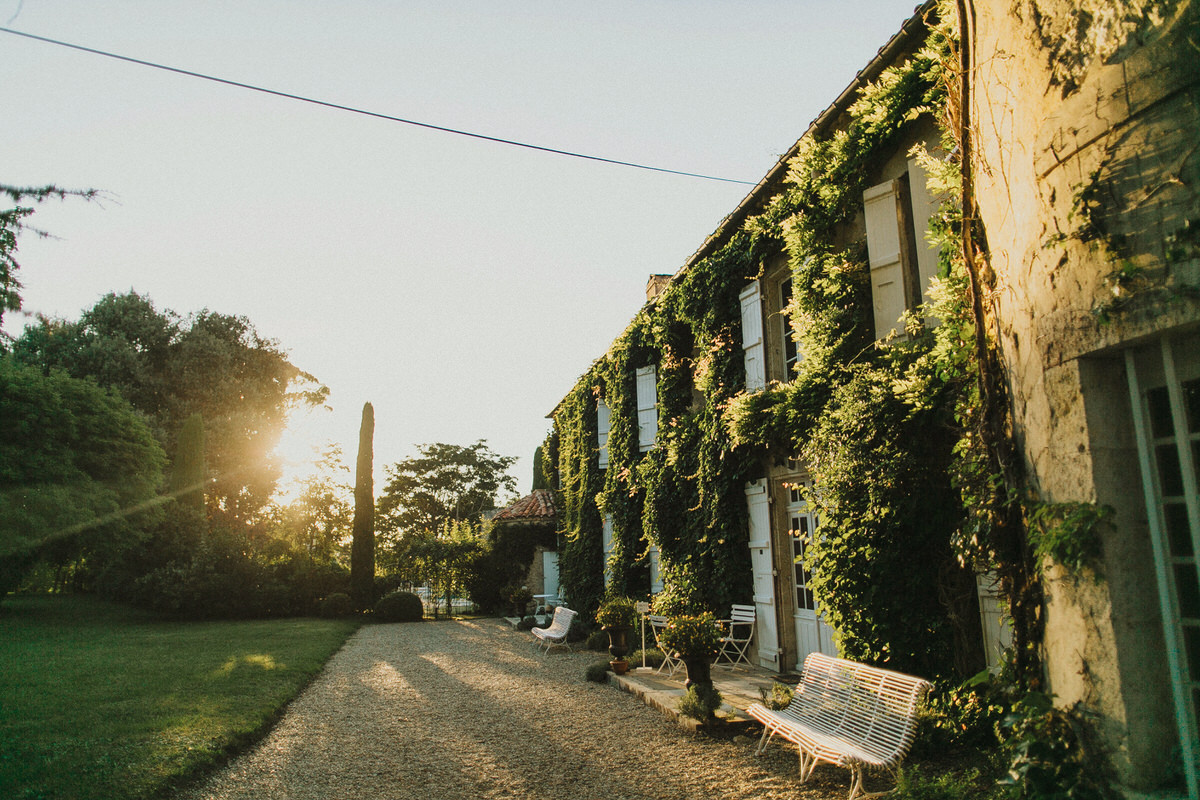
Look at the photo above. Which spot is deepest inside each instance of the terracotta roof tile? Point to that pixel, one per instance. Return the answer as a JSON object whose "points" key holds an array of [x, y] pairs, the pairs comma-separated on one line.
{"points": [[536, 506]]}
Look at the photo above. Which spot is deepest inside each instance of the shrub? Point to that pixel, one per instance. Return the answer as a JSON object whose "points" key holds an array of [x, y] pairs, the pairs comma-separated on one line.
{"points": [[654, 657], [527, 624], [700, 702], [692, 635], [598, 672], [335, 605], [399, 607], [912, 784], [617, 611], [597, 640], [778, 698]]}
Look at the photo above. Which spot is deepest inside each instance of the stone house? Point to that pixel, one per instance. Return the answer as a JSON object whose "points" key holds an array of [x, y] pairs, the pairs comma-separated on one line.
{"points": [[1079, 127]]}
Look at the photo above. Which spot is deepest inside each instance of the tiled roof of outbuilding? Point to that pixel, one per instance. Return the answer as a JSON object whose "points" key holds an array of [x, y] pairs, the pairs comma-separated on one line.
{"points": [[538, 506]]}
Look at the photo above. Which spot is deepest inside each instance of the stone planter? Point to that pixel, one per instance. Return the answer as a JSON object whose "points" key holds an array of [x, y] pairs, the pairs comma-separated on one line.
{"points": [[618, 640], [698, 670]]}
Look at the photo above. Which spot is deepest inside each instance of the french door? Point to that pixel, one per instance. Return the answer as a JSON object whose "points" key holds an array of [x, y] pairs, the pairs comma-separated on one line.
{"points": [[1164, 388]]}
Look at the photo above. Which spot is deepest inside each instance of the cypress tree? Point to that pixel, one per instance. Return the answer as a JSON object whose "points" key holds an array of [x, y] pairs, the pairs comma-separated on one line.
{"points": [[188, 471], [362, 548]]}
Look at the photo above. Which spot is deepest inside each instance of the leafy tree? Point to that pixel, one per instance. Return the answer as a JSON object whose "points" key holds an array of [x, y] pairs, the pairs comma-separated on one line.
{"points": [[79, 470], [169, 367], [362, 552], [188, 473], [319, 520], [12, 222], [445, 483]]}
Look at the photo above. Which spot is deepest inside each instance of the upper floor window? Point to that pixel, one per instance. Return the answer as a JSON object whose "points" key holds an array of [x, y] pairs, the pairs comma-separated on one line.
{"points": [[902, 261]]}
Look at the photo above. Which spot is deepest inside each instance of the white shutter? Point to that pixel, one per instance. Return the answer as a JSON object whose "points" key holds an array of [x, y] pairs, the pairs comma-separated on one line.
{"points": [[923, 208], [647, 406], [752, 338], [763, 572], [656, 581], [608, 548], [882, 211], [603, 426]]}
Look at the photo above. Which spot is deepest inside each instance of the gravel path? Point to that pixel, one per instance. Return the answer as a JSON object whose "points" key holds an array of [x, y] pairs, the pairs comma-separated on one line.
{"points": [[467, 709]]}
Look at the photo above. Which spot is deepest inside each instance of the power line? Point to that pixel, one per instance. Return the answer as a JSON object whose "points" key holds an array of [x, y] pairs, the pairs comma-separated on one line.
{"points": [[366, 113]]}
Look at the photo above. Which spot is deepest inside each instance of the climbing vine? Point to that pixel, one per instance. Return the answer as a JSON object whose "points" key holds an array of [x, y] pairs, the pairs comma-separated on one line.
{"points": [[912, 493]]}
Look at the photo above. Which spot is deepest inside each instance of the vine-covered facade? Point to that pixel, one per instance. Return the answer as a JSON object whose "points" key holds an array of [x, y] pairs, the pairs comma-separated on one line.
{"points": [[918, 397]]}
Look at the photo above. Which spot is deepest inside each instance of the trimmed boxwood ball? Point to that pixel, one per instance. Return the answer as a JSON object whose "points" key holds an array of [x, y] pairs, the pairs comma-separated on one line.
{"points": [[598, 672], [335, 605], [399, 607]]}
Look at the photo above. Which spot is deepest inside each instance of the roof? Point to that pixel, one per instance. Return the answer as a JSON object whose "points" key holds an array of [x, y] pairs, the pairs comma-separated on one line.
{"points": [[536, 507]]}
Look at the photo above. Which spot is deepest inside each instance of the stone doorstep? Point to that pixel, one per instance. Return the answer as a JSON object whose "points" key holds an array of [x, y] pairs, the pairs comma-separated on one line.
{"points": [[738, 689]]}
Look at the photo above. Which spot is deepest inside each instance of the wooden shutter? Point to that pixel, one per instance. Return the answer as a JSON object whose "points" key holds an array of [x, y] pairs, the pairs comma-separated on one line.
{"points": [[647, 406], [884, 248], [607, 533], [924, 206], [656, 581], [603, 426], [753, 351]]}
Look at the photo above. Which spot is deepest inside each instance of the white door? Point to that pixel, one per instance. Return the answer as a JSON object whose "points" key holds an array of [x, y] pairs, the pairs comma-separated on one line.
{"points": [[762, 566], [812, 634], [550, 573]]}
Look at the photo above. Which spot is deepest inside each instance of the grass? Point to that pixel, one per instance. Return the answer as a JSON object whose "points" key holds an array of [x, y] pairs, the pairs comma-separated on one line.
{"points": [[101, 701]]}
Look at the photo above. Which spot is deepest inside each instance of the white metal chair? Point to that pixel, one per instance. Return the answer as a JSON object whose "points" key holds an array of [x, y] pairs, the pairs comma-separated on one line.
{"points": [[738, 631], [657, 624], [556, 634]]}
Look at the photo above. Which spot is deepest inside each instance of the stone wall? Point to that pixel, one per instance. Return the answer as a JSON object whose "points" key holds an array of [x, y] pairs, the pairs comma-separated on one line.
{"points": [[1084, 127]]}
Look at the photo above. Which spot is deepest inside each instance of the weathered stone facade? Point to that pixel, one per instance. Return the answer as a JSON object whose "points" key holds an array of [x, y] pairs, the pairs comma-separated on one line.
{"points": [[1086, 135]]}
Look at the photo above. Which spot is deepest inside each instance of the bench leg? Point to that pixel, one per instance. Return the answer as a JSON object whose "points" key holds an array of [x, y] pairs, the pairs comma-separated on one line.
{"points": [[807, 764], [764, 740]]}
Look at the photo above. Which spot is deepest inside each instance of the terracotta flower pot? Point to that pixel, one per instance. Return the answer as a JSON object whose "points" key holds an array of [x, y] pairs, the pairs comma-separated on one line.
{"points": [[619, 666]]}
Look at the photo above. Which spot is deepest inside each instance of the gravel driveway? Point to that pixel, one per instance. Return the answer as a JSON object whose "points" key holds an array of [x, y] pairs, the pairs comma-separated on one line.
{"points": [[467, 709]]}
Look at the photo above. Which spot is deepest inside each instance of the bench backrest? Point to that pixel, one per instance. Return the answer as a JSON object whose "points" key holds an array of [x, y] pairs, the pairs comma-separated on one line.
{"points": [[561, 622], [874, 707]]}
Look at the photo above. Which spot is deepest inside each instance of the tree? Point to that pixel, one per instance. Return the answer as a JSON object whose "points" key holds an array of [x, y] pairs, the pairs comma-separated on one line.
{"points": [[319, 520], [445, 483], [362, 552], [188, 474], [12, 222], [79, 470], [170, 367]]}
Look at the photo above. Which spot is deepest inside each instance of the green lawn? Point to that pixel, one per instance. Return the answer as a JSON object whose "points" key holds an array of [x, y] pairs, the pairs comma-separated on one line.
{"points": [[101, 701]]}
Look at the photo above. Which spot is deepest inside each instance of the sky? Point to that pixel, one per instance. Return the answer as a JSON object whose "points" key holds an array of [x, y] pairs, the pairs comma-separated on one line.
{"points": [[459, 285]]}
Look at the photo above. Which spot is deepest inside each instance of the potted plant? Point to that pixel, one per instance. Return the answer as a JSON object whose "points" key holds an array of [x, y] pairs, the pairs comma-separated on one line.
{"points": [[616, 617], [519, 596], [695, 640]]}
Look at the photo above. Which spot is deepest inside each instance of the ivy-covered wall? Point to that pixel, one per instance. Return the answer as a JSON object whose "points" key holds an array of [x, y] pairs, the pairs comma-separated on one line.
{"points": [[875, 425]]}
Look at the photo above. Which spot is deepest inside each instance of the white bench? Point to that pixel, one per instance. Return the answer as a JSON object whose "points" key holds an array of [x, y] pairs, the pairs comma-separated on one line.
{"points": [[557, 632], [848, 714]]}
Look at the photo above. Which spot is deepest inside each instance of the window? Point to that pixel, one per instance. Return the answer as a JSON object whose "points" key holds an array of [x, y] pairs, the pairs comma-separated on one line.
{"points": [[647, 407], [800, 525], [902, 262], [603, 426], [791, 353]]}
